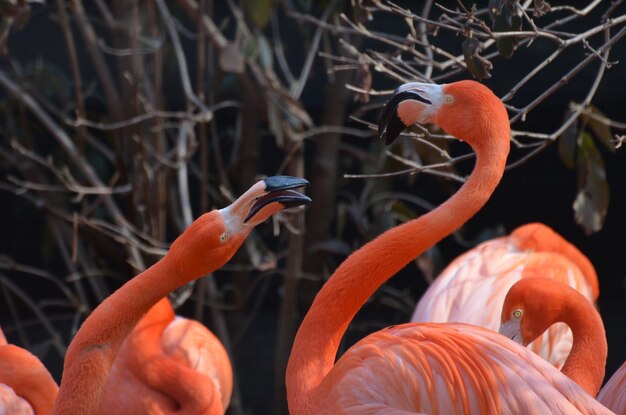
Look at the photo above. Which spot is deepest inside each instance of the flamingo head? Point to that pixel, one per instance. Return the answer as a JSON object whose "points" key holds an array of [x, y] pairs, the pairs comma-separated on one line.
{"points": [[531, 306], [212, 239], [466, 109]]}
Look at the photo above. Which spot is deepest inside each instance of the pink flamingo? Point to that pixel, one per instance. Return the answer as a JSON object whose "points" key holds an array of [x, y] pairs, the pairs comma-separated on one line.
{"points": [[534, 304], [472, 288], [136, 383], [446, 368]]}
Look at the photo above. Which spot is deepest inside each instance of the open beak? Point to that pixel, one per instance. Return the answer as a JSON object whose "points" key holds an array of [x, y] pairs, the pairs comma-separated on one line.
{"points": [[410, 103], [262, 200], [278, 191], [511, 329]]}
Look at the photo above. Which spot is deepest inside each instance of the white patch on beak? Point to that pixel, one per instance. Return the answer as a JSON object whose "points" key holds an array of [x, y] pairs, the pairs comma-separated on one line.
{"points": [[430, 92]]}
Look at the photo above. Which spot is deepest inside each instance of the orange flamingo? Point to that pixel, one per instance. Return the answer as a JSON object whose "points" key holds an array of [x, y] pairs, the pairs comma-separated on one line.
{"points": [[208, 243], [424, 367], [534, 304], [472, 288], [26, 386]]}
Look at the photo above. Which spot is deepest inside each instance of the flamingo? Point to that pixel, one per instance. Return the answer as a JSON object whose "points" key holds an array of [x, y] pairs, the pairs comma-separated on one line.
{"points": [[472, 288], [208, 243], [135, 385], [449, 368], [534, 304], [26, 386]]}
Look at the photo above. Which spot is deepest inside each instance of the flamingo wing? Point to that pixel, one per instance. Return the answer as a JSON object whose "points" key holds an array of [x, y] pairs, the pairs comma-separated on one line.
{"points": [[451, 368], [613, 393], [472, 290]]}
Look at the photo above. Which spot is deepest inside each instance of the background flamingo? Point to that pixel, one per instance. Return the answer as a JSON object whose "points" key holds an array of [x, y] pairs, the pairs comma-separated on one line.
{"points": [[206, 245], [534, 304], [136, 386], [424, 367], [472, 288], [26, 386]]}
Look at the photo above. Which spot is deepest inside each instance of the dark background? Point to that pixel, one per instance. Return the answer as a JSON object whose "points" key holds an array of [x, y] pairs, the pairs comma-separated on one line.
{"points": [[541, 190]]}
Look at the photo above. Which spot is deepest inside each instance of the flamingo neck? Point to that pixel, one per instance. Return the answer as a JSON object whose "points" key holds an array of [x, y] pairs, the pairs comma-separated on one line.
{"points": [[91, 354], [28, 377], [357, 278], [586, 362]]}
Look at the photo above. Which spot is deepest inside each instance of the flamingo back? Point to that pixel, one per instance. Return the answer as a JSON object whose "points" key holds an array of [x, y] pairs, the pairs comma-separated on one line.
{"points": [[472, 290], [450, 368]]}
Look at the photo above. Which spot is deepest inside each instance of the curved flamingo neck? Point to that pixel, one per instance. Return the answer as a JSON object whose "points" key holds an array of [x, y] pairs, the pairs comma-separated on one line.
{"points": [[28, 377], [586, 362], [90, 355], [357, 278], [539, 237]]}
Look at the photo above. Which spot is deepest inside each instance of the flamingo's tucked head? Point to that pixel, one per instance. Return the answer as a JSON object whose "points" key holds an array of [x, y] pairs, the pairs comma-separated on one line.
{"points": [[212, 239], [464, 109], [531, 306]]}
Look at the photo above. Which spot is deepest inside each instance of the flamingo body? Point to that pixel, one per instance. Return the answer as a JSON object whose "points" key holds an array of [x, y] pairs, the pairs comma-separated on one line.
{"points": [[424, 367], [473, 287], [160, 348], [613, 393], [448, 368]]}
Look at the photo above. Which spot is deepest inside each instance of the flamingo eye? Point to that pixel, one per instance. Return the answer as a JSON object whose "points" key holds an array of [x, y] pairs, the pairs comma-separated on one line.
{"points": [[517, 313], [224, 237], [449, 99]]}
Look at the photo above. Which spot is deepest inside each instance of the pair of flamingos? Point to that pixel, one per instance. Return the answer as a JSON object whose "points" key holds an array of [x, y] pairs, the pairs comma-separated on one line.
{"points": [[413, 368]]}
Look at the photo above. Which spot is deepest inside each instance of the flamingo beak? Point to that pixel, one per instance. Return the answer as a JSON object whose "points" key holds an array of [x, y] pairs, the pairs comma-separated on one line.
{"points": [[411, 102], [278, 194], [512, 330]]}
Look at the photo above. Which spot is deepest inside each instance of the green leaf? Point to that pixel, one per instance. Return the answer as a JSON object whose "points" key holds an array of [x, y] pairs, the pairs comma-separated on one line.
{"points": [[600, 129], [478, 66], [592, 201], [259, 11]]}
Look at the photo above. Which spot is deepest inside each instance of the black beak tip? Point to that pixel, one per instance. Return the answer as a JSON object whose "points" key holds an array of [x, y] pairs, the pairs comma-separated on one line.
{"points": [[275, 183], [391, 126], [296, 201]]}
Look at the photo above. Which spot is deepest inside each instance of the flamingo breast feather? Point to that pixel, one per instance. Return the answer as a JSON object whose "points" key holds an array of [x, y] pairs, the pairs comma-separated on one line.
{"points": [[472, 290], [451, 368]]}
